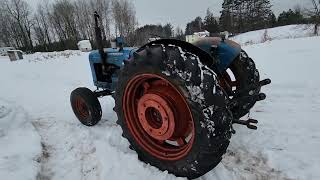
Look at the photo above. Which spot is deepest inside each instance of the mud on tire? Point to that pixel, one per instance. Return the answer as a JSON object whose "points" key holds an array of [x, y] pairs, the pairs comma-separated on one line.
{"points": [[197, 84]]}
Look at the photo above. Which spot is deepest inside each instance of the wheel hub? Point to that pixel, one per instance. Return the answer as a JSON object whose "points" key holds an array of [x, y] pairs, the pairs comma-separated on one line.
{"points": [[156, 116]]}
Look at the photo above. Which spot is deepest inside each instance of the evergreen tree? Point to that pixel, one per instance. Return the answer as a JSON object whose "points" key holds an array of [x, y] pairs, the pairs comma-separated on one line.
{"points": [[225, 21], [179, 34], [195, 26], [210, 23], [142, 34], [245, 15], [167, 30], [290, 17], [272, 20]]}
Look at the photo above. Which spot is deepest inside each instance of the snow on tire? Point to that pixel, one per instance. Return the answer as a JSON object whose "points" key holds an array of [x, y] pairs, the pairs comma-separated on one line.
{"points": [[189, 127], [246, 74]]}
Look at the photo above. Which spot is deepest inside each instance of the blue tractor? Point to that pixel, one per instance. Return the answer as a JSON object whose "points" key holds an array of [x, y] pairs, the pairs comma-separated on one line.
{"points": [[176, 102]]}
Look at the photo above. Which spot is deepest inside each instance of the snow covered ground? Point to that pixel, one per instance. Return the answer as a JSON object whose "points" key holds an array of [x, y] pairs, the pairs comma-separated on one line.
{"points": [[40, 138], [277, 33], [20, 147]]}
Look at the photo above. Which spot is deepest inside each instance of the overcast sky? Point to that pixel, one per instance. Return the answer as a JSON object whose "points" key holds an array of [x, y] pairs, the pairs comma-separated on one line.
{"points": [[180, 12]]}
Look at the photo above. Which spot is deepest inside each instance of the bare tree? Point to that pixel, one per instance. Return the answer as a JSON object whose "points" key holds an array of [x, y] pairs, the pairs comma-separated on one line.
{"points": [[63, 20], [20, 11], [5, 36], [60, 24], [83, 13], [39, 32], [314, 14], [42, 31], [103, 7], [43, 10], [124, 17]]}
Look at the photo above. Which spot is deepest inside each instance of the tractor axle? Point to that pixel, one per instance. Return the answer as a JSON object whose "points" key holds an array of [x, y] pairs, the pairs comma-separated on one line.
{"points": [[103, 93]]}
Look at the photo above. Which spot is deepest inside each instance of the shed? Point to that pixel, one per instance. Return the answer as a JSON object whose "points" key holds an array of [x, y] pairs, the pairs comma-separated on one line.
{"points": [[4, 50], [15, 55], [84, 46]]}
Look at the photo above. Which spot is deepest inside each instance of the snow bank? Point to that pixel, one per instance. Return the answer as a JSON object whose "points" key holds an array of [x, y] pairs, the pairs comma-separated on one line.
{"points": [[20, 148], [277, 33], [288, 136], [61, 55]]}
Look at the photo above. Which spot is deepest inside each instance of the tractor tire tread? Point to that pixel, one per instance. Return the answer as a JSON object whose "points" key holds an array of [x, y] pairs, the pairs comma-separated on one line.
{"points": [[212, 118]]}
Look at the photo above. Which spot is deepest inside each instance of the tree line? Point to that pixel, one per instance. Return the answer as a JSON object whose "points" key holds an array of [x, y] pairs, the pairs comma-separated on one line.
{"points": [[238, 16], [61, 24]]}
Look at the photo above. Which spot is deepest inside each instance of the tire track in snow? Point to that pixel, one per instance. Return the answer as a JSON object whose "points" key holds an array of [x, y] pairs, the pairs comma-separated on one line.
{"points": [[68, 153], [240, 164], [61, 139], [247, 166], [19, 142], [45, 173], [83, 143]]}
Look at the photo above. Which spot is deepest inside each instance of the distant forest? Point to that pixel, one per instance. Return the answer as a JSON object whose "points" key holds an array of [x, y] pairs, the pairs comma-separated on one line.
{"points": [[61, 24]]}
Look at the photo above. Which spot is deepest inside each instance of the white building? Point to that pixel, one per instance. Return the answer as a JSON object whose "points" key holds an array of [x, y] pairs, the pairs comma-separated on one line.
{"points": [[84, 46], [196, 36]]}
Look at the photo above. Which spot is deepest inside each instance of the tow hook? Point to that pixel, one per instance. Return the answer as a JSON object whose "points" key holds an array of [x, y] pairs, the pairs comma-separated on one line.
{"points": [[250, 123]]}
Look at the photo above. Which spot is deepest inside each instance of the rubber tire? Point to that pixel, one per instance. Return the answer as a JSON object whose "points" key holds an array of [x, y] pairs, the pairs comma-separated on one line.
{"points": [[246, 74], [212, 119], [92, 103]]}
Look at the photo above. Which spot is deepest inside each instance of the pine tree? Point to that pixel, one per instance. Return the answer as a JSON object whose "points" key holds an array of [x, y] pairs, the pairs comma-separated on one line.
{"points": [[272, 20], [210, 23], [195, 26], [179, 34], [290, 17], [245, 15], [225, 21]]}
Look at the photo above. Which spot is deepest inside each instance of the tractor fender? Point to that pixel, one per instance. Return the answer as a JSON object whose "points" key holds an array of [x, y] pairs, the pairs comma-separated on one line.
{"points": [[225, 51], [205, 57]]}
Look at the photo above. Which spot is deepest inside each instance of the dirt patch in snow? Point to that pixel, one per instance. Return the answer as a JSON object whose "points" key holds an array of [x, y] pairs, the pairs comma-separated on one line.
{"points": [[248, 166]]}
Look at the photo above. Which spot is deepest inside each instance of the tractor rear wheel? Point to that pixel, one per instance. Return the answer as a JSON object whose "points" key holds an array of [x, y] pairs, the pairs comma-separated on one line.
{"points": [[86, 106], [241, 74], [172, 111]]}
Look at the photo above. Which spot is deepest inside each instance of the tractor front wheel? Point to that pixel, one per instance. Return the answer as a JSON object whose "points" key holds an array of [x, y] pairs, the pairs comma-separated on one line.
{"points": [[86, 106]]}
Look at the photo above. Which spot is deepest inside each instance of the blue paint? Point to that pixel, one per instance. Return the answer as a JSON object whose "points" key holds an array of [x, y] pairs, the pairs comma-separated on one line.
{"points": [[224, 52], [226, 55], [115, 57]]}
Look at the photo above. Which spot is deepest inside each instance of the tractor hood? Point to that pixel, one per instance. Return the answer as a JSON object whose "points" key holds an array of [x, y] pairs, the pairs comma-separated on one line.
{"points": [[208, 42]]}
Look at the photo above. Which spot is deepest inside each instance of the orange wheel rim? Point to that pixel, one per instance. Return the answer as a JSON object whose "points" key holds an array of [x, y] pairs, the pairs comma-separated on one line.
{"points": [[82, 108], [158, 117]]}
